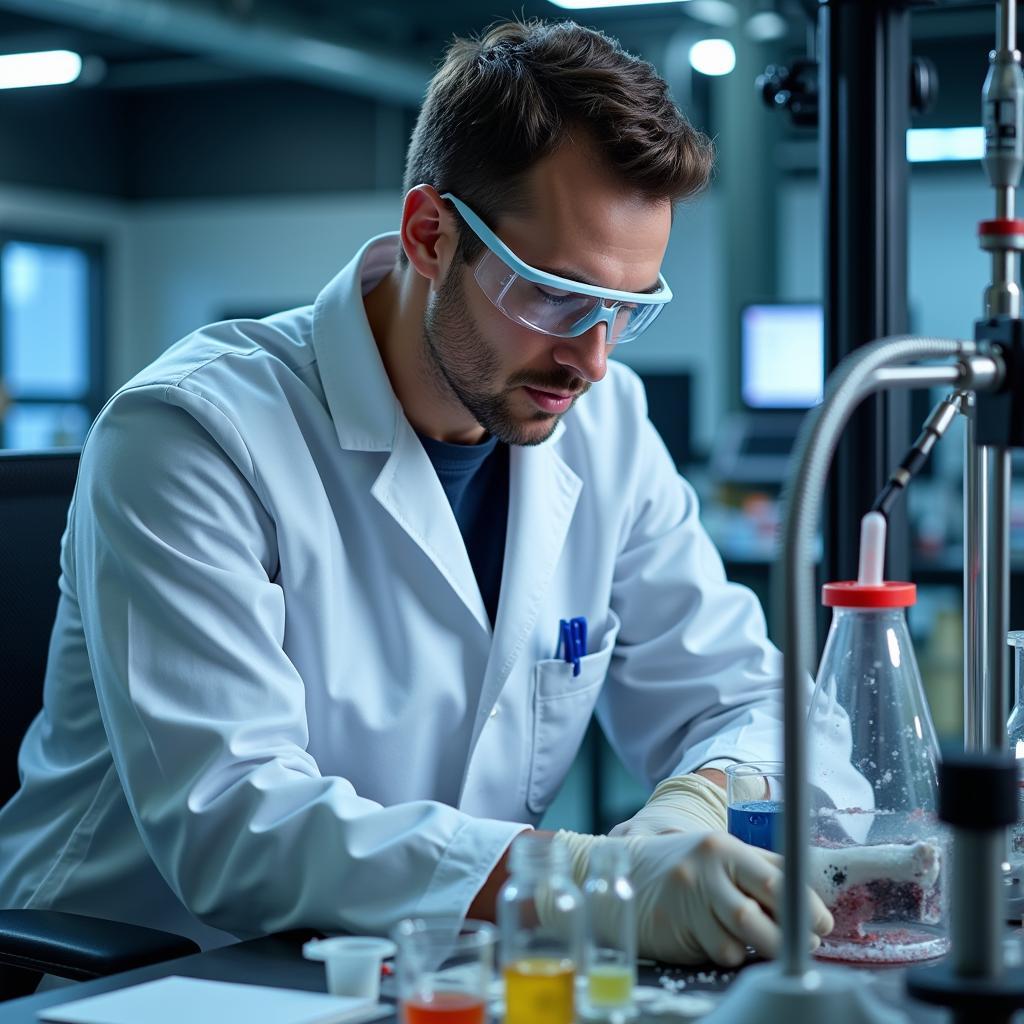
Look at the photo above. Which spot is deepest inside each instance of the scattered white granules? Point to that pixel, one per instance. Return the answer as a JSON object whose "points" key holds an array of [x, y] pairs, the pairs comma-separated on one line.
{"points": [[655, 1002]]}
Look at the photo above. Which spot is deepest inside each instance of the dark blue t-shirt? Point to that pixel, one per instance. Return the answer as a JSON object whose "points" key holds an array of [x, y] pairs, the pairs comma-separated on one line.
{"points": [[475, 479]]}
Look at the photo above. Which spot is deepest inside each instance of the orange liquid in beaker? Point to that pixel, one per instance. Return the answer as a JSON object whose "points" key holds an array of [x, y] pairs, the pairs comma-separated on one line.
{"points": [[445, 1008]]}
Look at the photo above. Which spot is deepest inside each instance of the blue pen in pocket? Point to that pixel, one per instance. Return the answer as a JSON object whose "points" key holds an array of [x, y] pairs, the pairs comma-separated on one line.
{"points": [[572, 641]]}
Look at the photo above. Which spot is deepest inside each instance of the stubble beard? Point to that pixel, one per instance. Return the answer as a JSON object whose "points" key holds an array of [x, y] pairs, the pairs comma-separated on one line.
{"points": [[463, 365]]}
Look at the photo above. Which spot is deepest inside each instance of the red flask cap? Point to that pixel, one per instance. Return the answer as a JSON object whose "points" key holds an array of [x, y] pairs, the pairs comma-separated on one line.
{"points": [[851, 594]]}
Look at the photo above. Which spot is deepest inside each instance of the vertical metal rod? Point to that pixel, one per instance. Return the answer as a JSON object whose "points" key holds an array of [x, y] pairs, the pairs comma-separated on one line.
{"points": [[975, 582], [977, 923], [997, 697], [1006, 32], [1003, 266]]}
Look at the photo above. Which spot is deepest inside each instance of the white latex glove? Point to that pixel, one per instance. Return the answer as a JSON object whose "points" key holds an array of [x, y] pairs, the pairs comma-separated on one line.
{"points": [[685, 803], [702, 897]]}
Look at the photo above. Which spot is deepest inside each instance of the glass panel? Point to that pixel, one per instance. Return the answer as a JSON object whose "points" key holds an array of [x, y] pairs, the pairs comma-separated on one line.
{"points": [[45, 320], [30, 427]]}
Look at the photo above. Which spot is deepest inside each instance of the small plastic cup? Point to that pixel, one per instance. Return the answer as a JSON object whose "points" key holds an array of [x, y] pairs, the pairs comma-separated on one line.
{"points": [[353, 963], [444, 970], [754, 798]]}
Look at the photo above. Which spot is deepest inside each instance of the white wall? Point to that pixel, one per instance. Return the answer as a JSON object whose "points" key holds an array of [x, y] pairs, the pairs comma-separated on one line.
{"points": [[191, 261]]}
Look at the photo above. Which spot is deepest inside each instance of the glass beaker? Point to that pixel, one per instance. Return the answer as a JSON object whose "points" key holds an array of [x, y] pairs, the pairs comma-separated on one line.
{"points": [[540, 918], [443, 970], [877, 845], [754, 799]]}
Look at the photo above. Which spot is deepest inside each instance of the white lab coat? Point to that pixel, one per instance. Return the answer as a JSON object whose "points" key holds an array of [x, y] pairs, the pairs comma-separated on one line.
{"points": [[274, 696]]}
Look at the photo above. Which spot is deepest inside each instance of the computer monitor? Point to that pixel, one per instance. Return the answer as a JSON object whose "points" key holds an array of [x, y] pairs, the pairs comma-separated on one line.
{"points": [[782, 355]]}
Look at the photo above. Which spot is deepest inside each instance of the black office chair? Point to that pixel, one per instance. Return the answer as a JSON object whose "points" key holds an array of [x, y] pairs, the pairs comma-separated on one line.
{"points": [[35, 490]]}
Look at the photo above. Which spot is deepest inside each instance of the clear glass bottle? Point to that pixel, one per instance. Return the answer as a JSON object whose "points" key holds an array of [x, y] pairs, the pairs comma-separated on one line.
{"points": [[878, 848], [609, 956], [540, 921]]}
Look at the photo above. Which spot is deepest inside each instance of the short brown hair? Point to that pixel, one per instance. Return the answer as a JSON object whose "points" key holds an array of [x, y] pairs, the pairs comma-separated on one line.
{"points": [[501, 102]]}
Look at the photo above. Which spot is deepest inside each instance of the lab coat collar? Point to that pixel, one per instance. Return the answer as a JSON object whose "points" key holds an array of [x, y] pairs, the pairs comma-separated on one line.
{"points": [[362, 404]]}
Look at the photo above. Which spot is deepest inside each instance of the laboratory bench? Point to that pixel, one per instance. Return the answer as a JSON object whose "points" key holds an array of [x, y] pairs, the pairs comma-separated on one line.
{"points": [[276, 960]]}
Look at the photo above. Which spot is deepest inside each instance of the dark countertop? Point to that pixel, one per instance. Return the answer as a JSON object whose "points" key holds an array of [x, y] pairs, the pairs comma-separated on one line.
{"points": [[277, 960]]}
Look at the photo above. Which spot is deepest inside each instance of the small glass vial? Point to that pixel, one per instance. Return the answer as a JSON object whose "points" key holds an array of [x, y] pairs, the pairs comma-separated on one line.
{"points": [[610, 949], [540, 921]]}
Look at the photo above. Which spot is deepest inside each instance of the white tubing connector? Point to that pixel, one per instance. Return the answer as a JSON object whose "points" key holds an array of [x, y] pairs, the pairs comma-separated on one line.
{"points": [[872, 550]]}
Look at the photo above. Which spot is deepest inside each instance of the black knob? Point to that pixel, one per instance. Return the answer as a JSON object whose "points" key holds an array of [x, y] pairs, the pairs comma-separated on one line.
{"points": [[978, 791]]}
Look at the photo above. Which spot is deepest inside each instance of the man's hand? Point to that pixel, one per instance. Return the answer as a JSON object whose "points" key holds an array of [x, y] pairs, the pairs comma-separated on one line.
{"points": [[703, 897], [709, 897]]}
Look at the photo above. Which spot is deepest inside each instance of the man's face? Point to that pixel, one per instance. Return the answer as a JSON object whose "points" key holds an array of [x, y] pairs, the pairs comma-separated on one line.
{"points": [[517, 383]]}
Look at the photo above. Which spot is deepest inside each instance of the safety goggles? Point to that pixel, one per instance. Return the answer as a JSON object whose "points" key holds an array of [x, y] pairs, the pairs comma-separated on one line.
{"points": [[557, 305]]}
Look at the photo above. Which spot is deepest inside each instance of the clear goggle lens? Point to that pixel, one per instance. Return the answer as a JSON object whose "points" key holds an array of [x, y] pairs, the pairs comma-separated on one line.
{"points": [[561, 313]]}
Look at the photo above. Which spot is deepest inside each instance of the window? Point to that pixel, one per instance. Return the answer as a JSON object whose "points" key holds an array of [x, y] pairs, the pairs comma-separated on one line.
{"points": [[51, 377]]}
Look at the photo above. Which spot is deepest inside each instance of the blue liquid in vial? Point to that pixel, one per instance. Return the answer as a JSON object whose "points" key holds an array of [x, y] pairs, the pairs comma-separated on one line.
{"points": [[757, 822]]}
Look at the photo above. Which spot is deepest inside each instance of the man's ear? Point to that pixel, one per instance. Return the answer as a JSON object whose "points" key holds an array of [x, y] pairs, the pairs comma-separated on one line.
{"points": [[429, 233]]}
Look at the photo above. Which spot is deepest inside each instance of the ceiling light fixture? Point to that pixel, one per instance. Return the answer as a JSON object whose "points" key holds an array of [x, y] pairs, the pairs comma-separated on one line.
{"points": [[713, 57], [47, 67]]}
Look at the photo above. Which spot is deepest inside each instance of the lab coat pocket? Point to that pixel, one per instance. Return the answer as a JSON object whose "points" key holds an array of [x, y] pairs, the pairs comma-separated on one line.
{"points": [[562, 705]]}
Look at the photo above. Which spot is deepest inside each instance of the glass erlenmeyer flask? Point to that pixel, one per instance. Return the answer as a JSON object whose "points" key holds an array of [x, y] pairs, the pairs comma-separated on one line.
{"points": [[877, 845]]}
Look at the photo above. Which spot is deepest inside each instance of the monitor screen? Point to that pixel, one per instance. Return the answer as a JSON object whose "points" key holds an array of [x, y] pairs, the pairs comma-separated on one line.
{"points": [[782, 355]]}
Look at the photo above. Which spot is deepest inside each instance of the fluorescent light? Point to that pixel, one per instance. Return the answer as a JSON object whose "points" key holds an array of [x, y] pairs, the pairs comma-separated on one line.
{"points": [[713, 57], [48, 67], [583, 5], [930, 145]]}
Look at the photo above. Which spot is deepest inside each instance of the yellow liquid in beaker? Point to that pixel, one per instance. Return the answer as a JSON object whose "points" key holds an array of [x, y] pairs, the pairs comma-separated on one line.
{"points": [[610, 985], [540, 990]]}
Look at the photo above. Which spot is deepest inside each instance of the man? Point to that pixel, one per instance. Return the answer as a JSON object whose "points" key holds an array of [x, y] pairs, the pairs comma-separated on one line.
{"points": [[304, 669]]}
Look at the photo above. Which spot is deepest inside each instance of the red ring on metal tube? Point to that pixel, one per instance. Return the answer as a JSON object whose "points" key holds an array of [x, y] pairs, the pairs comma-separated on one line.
{"points": [[1002, 226]]}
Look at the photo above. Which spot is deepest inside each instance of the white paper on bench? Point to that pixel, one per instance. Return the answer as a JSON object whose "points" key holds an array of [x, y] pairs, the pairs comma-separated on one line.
{"points": [[177, 1000]]}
